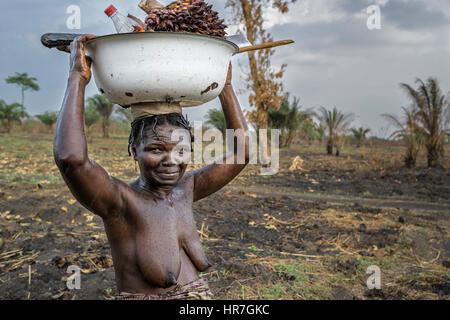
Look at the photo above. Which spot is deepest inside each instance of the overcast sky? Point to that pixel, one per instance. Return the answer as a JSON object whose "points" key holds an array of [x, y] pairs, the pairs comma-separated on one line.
{"points": [[335, 61]]}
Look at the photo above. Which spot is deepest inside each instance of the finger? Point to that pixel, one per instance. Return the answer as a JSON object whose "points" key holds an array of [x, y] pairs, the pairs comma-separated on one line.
{"points": [[73, 45], [82, 39], [88, 61], [77, 44], [87, 37], [79, 40]]}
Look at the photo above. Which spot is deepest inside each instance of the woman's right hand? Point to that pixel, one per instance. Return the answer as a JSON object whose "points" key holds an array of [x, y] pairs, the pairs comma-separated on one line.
{"points": [[80, 65]]}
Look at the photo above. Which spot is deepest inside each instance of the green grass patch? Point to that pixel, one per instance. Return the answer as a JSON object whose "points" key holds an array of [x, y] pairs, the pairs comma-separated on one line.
{"points": [[295, 282]]}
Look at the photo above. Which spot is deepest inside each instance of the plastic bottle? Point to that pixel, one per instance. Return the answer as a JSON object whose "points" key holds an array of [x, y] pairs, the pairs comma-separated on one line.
{"points": [[122, 23]]}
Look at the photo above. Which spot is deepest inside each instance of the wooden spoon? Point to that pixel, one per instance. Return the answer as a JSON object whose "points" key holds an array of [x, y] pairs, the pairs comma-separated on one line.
{"points": [[265, 45]]}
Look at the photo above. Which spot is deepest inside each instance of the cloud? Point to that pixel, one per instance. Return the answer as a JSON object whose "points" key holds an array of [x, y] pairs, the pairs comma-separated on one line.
{"points": [[306, 12], [335, 61], [403, 14], [414, 15]]}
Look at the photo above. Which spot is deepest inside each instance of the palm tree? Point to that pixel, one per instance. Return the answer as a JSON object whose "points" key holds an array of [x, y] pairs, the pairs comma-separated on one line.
{"points": [[320, 131], [285, 119], [408, 130], [433, 114], [105, 108], [24, 82], [360, 135], [289, 118], [337, 123], [91, 117], [125, 114], [48, 118], [308, 130], [216, 119], [10, 113]]}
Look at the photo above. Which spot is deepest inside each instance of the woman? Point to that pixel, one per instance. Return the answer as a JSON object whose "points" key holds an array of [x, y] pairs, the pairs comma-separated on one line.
{"points": [[154, 242]]}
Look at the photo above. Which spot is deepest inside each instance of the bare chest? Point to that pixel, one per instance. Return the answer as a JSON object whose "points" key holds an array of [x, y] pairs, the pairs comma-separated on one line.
{"points": [[160, 230]]}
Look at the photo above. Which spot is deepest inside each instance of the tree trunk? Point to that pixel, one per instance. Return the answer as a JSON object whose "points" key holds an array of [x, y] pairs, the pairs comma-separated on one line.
{"points": [[89, 134], [105, 127], [262, 117], [410, 161], [433, 158], [246, 11], [8, 126], [264, 147], [23, 97], [257, 77], [330, 146]]}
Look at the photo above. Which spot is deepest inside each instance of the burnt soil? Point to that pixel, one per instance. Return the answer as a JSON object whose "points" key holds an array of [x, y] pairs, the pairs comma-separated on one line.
{"points": [[304, 234]]}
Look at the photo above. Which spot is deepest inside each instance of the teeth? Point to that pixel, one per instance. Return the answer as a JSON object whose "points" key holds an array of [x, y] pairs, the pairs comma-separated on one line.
{"points": [[194, 16]]}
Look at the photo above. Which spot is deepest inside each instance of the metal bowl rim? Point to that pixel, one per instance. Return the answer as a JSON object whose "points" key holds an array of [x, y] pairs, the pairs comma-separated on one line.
{"points": [[236, 47]]}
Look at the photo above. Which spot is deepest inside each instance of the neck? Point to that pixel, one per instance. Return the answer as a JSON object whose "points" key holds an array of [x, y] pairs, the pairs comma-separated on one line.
{"points": [[160, 192]]}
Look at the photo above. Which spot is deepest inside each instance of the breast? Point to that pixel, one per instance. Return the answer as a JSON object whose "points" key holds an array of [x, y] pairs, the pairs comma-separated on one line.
{"points": [[158, 248]]}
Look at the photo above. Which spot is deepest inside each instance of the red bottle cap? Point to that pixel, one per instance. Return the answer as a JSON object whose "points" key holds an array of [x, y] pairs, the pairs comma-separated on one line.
{"points": [[110, 10]]}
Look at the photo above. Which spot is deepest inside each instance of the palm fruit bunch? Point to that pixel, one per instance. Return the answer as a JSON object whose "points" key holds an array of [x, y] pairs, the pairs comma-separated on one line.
{"points": [[193, 16]]}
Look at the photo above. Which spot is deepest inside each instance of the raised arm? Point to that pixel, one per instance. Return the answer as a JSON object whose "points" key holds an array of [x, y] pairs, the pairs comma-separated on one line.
{"points": [[213, 177], [89, 182]]}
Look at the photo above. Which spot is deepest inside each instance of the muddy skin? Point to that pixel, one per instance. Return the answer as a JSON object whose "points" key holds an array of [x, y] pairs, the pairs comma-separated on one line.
{"points": [[149, 222]]}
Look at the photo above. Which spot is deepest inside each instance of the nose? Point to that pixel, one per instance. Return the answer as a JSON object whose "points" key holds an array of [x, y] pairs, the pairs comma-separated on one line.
{"points": [[177, 156], [170, 160]]}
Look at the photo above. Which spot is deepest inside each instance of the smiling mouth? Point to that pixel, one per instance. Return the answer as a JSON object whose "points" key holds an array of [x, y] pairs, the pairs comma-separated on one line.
{"points": [[169, 174]]}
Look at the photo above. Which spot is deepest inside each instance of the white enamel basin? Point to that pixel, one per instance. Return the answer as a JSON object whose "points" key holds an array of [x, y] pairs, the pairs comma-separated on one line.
{"points": [[133, 68]]}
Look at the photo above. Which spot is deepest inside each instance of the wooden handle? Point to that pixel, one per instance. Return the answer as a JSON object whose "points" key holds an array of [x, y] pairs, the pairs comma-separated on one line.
{"points": [[265, 45]]}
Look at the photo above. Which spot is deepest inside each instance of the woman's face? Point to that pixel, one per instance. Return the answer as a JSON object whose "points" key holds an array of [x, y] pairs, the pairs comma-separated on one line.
{"points": [[163, 159]]}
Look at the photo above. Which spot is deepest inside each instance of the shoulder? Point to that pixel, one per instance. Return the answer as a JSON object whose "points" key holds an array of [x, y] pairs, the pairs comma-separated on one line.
{"points": [[121, 185], [123, 191], [186, 183], [187, 179]]}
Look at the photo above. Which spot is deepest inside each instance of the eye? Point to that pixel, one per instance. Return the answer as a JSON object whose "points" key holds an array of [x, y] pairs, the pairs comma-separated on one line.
{"points": [[155, 150], [181, 150]]}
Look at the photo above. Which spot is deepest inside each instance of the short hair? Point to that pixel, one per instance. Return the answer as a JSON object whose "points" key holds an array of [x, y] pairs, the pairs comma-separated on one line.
{"points": [[138, 127]]}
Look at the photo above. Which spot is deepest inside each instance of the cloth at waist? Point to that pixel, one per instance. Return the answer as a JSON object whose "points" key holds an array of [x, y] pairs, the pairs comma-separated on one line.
{"points": [[195, 290]]}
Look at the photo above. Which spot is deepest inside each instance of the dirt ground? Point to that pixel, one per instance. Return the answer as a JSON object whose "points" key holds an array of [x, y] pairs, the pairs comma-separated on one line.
{"points": [[310, 233]]}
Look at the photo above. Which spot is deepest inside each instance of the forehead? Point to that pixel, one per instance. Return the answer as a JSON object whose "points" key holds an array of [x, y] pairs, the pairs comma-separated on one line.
{"points": [[166, 133]]}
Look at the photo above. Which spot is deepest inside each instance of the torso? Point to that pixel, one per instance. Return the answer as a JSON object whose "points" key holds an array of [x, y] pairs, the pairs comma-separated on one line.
{"points": [[151, 241]]}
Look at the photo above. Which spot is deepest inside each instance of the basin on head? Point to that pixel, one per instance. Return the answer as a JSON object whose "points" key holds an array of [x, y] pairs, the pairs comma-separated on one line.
{"points": [[165, 67]]}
